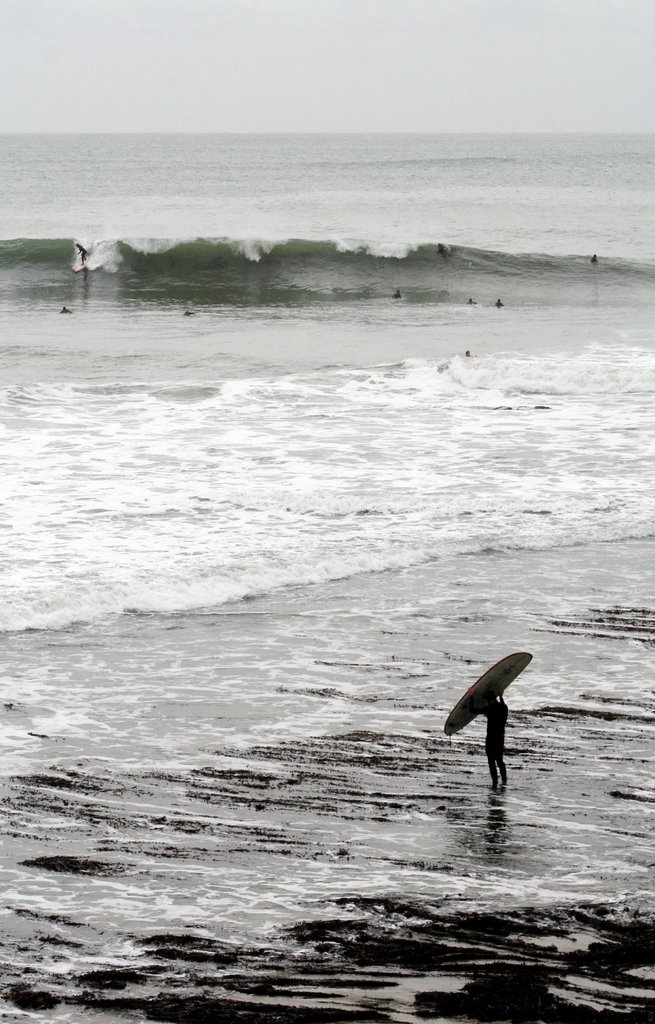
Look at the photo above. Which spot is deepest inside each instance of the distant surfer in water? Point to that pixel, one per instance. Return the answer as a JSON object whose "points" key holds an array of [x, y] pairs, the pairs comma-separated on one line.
{"points": [[498, 304], [496, 715], [83, 253], [64, 309], [396, 294], [471, 302], [594, 258]]}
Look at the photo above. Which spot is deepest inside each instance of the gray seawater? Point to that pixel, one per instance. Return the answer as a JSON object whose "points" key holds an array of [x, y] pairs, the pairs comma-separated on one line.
{"points": [[254, 555]]}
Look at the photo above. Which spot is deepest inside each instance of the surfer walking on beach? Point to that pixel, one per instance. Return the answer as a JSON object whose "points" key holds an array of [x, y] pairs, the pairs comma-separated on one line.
{"points": [[496, 715]]}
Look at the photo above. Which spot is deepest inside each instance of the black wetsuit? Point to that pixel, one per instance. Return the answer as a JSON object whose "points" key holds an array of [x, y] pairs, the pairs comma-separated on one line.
{"points": [[496, 715], [82, 251]]}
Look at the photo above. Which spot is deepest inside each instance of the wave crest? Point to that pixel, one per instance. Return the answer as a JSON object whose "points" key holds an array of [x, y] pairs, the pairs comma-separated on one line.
{"points": [[250, 271]]}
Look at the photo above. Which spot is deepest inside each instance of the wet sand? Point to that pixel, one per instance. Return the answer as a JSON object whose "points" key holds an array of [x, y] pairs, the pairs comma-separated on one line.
{"points": [[364, 957], [363, 871]]}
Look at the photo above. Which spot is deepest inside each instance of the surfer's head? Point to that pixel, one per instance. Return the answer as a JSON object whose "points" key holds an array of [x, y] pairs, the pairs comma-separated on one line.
{"points": [[489, 695]]}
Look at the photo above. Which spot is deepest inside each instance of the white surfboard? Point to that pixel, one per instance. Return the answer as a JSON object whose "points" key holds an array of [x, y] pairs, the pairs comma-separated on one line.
{"points": [[496, 679]]}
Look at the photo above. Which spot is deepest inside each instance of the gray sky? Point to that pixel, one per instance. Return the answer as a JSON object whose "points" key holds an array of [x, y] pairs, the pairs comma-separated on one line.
{"points": [[327, 65]]}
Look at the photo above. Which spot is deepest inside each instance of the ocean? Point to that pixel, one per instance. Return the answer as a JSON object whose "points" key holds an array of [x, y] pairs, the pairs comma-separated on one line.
{"points": [[265, 523]]}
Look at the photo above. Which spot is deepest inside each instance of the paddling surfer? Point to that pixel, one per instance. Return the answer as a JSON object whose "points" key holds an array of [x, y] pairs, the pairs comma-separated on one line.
{"points": [[496, 715]]}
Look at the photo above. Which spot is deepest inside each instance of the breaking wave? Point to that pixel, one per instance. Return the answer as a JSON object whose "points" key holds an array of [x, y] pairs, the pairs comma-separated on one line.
{"points": [[296, 271]]}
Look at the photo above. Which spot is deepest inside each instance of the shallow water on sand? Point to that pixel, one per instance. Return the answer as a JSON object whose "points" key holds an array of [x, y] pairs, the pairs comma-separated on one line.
{"points": [[266, 718], [234, 771]]}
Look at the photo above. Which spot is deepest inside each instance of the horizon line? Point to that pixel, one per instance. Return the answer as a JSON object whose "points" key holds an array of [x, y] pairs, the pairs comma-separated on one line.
{"points": [[327, 132]]}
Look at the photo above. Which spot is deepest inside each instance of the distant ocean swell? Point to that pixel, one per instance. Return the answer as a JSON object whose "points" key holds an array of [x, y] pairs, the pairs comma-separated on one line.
{"points": [[295, 271]]}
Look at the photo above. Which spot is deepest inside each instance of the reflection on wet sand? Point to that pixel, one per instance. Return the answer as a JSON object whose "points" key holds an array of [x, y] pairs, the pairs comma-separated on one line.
{"points": [[496, 834]]}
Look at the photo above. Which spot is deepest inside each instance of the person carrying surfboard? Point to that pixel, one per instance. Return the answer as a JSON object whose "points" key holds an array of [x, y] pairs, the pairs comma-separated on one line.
{"points": [[484, 697], [496, 715]]}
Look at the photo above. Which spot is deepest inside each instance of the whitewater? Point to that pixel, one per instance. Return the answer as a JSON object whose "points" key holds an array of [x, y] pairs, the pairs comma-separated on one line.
{"points": [[262, 484], [263, 525]]}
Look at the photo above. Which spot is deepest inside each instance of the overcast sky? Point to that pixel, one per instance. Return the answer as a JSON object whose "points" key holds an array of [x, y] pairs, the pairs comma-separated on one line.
{"points": [[327, 65]]}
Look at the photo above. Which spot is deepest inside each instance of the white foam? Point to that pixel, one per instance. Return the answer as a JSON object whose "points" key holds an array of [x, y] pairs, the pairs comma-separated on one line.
{"points": [[171, 497], [398, 249], [104, 254], [252, 248], [597, 370]]}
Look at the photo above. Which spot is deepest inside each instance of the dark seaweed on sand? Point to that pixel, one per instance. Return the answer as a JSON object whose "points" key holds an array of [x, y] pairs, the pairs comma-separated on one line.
{"points": [[524, 965]]}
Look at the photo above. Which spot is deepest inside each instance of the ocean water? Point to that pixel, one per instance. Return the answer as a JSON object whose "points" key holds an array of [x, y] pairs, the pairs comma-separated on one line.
{"points": [[253, 555]]}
